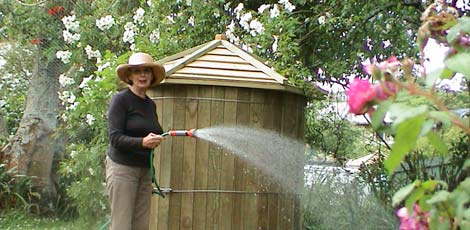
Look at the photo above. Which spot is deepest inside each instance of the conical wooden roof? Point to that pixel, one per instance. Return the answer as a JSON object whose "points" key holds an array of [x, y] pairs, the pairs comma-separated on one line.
{"points": [[221, 63]]}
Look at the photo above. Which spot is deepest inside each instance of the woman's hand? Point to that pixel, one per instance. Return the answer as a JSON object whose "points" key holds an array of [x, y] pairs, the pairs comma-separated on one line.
{"points": [[152, 140]]}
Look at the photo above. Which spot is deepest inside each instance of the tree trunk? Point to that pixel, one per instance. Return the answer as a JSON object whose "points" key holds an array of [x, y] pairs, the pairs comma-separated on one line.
{"points": [[3, 126], [33, 148]]}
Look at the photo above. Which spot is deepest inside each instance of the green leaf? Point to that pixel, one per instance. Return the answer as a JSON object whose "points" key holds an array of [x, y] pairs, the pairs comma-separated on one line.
{"points": [[459, 63], [405, 140], [416, 195], [442, 117], [401, 194], [438, 197], [401, 112], [441, 73], [466, 164], [379, 114], [429, 185], [437, 143], [427, 126], [463, 25]]}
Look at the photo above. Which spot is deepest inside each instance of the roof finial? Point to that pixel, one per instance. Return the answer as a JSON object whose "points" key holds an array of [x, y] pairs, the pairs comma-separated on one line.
{"points": [[220, 37]]}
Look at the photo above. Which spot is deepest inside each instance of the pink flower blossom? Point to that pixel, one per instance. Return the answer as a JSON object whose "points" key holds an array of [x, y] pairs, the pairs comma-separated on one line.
{"points": [[388, 66], [360, 93], [382, 94], [371, 69], [417, 221], [464, 40]]}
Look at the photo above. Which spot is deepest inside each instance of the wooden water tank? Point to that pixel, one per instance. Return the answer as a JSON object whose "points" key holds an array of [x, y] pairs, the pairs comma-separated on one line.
{"points": [[219, 84]]}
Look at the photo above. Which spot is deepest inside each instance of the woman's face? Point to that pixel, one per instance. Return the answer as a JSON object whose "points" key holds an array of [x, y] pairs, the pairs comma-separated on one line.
{"points": [[140, 76]]}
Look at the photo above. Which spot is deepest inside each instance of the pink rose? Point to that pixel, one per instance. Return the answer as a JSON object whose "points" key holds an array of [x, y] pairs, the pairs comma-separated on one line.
{"points": [[360, 93], [417, 221], [388, 66], [381, 93]]}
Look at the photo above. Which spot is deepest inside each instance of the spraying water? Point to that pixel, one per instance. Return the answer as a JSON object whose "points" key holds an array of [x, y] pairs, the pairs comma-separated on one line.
{"points": [[278, 156]]}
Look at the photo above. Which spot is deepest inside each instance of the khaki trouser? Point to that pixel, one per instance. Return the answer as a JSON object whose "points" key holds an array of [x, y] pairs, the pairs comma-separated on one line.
{"points": [[130, 191]]}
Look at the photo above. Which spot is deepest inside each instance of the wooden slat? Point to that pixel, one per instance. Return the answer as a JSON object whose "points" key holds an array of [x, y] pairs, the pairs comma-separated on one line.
{"points": [[203, 120], [165, 158], [157, 92], [189, 160], [261, 178], [212, 80], [222, 65], [289, 130], [177, 157], [251, 216], [274, 201], [182, 54], [228, 163], [222, 51], [239, 84], [254, 61], [224, 73], [214, 165], [220, 58], [193, 56], [298, 214], [243, 119]]}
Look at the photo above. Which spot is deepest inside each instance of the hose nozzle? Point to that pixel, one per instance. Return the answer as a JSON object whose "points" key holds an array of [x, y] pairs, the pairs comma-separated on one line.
{"points": [[189, 132]]}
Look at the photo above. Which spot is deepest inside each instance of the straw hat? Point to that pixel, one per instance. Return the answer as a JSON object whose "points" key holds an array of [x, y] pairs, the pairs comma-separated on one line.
{"points": [[141, 59]]}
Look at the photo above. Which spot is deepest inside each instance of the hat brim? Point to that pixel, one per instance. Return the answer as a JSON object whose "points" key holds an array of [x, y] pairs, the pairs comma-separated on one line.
{"points": [[158, 72]]}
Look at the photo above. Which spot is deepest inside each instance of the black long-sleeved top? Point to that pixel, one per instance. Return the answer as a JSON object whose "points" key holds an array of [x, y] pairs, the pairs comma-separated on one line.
{"points": [[130, 119]]}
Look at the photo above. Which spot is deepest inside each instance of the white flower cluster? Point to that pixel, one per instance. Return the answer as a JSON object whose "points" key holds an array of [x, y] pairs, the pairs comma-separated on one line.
{"points": [[274, 46], [85, 81], [247, 48], [91, 171], [70, 37], [104, 66], [64, 56], [256, 27], [171, 18], [253, 26], [105, 23], [70, 23], [71, 26], [263, 7], [90, 119], [191, 21], [93, 53], [73, 154], [65, 81], [68, 99], [463, 4], [287, 5], [230, 35], [245, 20], [129, 33], [238, 10], [139, 16], [274, 12], [154, 37]]}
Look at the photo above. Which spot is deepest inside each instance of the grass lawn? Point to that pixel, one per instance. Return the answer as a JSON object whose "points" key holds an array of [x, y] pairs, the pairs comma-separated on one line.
{"points": [[19, 220]]}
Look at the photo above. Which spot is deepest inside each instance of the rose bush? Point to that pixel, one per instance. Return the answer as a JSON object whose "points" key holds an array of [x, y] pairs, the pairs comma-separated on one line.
{"points": [[427, 204]]}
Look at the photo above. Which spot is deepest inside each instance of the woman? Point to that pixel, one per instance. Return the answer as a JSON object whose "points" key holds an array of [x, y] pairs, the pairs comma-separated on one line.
{"points": [[133, 132]]}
